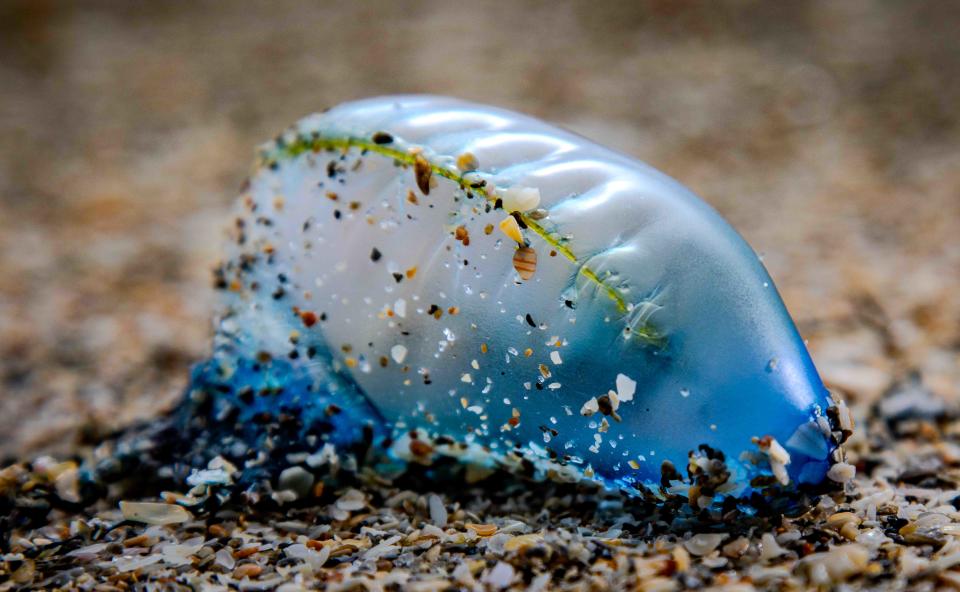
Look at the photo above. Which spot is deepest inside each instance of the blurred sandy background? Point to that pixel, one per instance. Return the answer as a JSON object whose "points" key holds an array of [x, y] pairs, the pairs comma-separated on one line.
{"points": [[827, 132]]}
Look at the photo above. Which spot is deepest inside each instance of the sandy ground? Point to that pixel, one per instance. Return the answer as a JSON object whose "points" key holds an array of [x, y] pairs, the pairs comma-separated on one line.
{"points": [[826, 132]]}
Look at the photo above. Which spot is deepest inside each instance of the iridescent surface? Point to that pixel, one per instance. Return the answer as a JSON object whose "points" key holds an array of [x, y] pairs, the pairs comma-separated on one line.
{"points": [[374, 249]]}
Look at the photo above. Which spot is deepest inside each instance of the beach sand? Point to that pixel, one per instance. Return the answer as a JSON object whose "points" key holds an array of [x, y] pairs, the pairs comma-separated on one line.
{"points": [[827, 133]]}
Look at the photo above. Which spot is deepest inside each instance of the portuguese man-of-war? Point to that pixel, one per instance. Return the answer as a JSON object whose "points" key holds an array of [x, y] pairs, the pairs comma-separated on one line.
{"points": [[439, 279]]}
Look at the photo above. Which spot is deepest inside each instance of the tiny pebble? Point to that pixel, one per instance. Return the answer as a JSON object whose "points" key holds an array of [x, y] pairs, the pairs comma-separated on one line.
{"points": [[154, 512], [247, 570], [842, 472], [500, 576], [702, 544], [438, 513]]}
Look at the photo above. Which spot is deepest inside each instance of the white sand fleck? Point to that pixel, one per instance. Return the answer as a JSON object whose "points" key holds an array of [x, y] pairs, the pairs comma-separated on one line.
{"points": [[398, 353], [626, 387]]}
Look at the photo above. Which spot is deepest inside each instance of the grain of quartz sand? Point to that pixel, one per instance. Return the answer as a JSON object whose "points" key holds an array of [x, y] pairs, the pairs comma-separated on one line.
{"points": [[896, 524]]}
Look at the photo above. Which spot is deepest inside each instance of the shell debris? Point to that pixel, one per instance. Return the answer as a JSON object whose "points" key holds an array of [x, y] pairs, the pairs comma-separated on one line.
{"points": [[525, 262], [467, 162], [520, 199], [511, 228], [422, 173], [154, 512]]}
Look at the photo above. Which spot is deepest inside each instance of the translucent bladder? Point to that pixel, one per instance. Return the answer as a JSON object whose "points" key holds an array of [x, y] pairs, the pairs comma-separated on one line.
{"points": [[465, 281]]}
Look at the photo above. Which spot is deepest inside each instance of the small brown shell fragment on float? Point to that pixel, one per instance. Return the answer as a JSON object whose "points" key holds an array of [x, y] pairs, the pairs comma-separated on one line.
{"points": [[525, 262], [422, 173]]}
